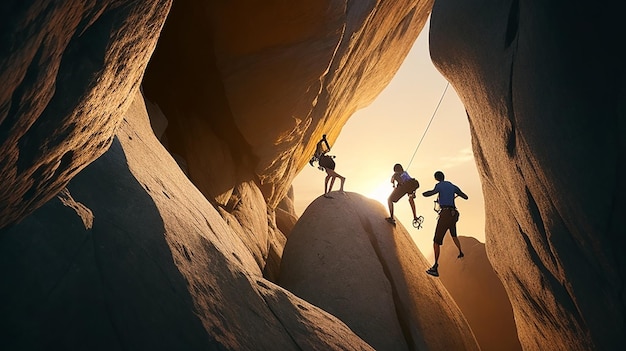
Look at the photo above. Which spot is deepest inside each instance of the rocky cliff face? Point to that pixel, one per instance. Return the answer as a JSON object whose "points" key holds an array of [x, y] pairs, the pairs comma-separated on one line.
{"points": [[257, 86], [68, 71], [130, 254], [128, 251], [479, 293], [544, 95], [371, 275]]}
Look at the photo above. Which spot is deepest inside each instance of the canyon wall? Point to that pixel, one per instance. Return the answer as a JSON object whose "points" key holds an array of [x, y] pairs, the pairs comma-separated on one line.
{"points": [[544, 92]]}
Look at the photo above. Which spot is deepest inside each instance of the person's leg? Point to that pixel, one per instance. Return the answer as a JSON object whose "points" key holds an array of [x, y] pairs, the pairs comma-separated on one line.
{"points": [[412, 203], [390, 204], [334, 175], [436, 250], [458, 245], [343, 180], [326, 183], [453, 235], [440, 232], [332, 182], [434, 271]]}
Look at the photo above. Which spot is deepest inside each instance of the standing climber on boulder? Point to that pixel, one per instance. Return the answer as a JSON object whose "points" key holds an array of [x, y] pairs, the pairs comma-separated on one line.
{"points": [[327, 164]]}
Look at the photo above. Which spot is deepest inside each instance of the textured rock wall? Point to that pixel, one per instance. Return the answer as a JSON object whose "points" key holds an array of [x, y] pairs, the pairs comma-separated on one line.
{"points": [[248, 89], [68, 70], [372, 276], [543, 88], [479, 293], [131, 256]]}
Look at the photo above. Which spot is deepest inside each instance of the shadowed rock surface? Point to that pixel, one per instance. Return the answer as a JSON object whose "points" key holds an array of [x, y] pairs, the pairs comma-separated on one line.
{"points": [[544, 93], [479, 293], [119, 258], [371, 275], [131, 255], [68, 70], [256, 86], [158, 268]]}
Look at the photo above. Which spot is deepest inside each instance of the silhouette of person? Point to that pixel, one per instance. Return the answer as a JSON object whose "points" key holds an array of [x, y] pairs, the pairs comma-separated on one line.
{"points": [[403, 184], [327, 164], [448, 216]]}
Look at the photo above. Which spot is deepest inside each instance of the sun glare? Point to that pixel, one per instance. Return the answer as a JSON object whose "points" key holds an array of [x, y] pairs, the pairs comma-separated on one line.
{"points": [[381, 193]]}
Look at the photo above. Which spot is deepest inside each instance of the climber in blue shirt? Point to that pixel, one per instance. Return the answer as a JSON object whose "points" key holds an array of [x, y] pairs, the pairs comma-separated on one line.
{"points": [[448, 216]]}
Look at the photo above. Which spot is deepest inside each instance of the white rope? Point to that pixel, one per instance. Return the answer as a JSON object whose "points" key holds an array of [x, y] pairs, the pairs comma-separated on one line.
{"points": [[428, 126]]}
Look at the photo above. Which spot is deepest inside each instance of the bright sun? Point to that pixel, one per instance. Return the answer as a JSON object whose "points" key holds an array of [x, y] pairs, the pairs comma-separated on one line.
{"points": [[381, 193]]}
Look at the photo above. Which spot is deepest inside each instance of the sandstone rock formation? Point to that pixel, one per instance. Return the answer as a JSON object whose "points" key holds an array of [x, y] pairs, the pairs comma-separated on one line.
{"points": [[131, 254], [68, 71], [157, 267], [479, 293], [371, 275], [543, 89], [256, 88], [286, 217]]}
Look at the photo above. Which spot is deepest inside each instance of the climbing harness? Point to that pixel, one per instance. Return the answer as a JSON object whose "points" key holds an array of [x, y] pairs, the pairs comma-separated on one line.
{"points": [[436, 206]]}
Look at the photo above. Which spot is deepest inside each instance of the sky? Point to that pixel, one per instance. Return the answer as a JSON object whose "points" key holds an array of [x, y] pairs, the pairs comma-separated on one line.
{"points": [[388, 131]]}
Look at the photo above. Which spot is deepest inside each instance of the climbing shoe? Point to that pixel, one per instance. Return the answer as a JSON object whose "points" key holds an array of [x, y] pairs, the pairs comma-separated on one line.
{"points": [[433, 271]]}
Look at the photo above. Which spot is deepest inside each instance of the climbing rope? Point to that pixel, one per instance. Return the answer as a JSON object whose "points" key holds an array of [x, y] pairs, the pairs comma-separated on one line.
{"points": [[428, 126]]}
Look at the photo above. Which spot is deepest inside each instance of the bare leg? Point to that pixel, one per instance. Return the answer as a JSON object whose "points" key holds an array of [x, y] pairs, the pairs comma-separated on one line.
{"points": [[334, 174], [343, 180], [326, 184], [390, 203], [456, 240], [412, 203], [332, 182], [458, 245], [436, 249]]}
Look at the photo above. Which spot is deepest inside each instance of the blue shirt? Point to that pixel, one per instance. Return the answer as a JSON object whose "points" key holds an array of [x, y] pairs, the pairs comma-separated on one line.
{"points": [[446, 191], [405, 176]]}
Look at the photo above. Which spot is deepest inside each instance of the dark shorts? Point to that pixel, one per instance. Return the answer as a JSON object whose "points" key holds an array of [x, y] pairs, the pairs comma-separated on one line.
{"points": [[447, 221], [407, 187], [327, 162]]}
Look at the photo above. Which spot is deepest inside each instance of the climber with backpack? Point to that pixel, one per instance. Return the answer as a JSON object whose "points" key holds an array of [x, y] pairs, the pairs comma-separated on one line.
{"points": [[326, 163]]}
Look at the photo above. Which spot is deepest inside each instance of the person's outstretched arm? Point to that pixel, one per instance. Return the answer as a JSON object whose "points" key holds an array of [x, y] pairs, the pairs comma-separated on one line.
{"points": [[326, 142], [429, 193], [461, 194]]}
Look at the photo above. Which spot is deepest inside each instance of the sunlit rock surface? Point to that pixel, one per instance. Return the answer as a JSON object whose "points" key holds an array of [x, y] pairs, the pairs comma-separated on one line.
{"points": [[286, 216], [479, 293], [249, 90], [372, 276], [68, 70], [543, 85], [131, 256]]}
